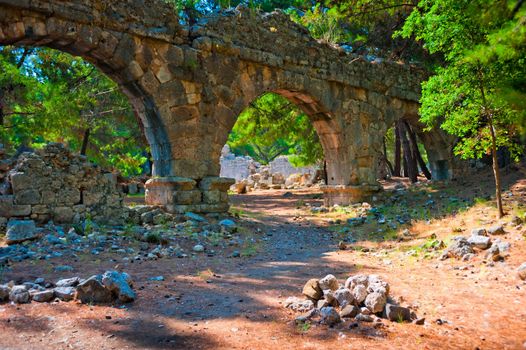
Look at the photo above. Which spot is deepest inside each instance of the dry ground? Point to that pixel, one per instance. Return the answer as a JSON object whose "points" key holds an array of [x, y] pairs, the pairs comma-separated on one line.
{"points": [[235, 303]]}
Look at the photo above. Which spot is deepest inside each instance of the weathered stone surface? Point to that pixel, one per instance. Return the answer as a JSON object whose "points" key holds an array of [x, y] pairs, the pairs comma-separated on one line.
{"points": [[312, 290], [21, 230], [119, 285], [92, 290], [53, 183], [43, 296], [64, 293], [4, 292], [68, 282], [330, 316], [375, 302], [349, 311], [480, 242], [344, 297], [397, 313], [496, 230], [329, 282], [19, 294]]}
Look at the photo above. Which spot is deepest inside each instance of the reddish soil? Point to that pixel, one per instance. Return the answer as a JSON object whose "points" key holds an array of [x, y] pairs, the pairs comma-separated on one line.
{"points": [[235, 303]]}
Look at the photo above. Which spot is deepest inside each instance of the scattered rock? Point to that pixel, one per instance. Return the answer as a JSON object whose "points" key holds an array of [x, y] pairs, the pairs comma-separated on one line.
{"points": [[480, 242], [496, 230], [297, 304], [397, 313], [312, 290], [329, 316], [118, 284], [19, 294], [43, 296], [349, 311], [64, 293], [68, 282], [21, 230], [4, 292], [359, 293], [375, 302], [420, 321], [479, 232], [194, 217], [63, 268], [344, 297], [329, 282], [460, 248], [364, 318], [92, 290]]}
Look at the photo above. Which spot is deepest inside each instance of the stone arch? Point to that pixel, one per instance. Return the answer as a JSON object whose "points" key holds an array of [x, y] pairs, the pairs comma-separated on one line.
{"points": [[107, 51]]}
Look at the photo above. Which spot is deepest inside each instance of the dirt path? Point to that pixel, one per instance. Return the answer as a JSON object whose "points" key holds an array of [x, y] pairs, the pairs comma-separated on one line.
{"points": [[235, 303]]}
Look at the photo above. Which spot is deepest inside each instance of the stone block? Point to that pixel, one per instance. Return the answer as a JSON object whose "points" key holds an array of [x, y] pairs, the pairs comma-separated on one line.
{"points": [[20, 181], [30, 196], [345, 195], [212, 183], [63, 214], [160, 191], [215, 197], [187, 197], [9, 209]]}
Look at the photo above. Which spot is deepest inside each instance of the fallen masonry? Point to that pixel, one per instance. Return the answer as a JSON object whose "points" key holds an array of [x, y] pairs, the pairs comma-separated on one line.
{"points": [[465, 248], [110, 287], [364, 298]]}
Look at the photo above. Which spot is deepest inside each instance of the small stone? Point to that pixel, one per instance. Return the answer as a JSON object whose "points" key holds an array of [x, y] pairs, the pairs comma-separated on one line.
{"points": [[365, 311], [522, 271], [236, 254], [297, 304], [312, 290], [19, 294], [64, 293], [306, 316], [353, 281], [329, 282], [364, 318], [349, 311], [40, 281], [43, 296], [420, 321], [496, 230], [198, 248], [322, 303], [329, 316], [68, 282], [479, 232], [397, 313], [375, 302], [157, 278], [194, 217]]}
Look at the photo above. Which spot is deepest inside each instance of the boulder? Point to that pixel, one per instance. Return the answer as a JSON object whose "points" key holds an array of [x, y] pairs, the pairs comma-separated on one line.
{"points": [[21, 230], [312, 290], [397, 313], [93, 290], [19, 294], [329, 316], [353, 281], [118, 284], [375, 302], [376, 284], [64, 293], [329, 282]]}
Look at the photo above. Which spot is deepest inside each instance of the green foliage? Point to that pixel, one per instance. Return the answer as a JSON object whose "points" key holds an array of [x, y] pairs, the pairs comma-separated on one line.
{"points": [[482, 85], [47, 95], [272, 126]]}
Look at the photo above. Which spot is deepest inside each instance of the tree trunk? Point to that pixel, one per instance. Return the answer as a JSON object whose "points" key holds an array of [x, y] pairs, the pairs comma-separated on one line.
{"points": [[409, 161], [416, 152], [496, 171], [85, 141], [398, 151]]}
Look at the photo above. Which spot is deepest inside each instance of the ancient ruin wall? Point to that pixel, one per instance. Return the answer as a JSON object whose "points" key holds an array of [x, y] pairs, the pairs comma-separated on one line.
{"points": [[55, 184]]}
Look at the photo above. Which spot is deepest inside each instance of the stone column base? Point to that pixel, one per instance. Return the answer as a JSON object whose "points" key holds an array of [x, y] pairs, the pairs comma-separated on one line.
{"points": [[345, 195], [179, 195]]}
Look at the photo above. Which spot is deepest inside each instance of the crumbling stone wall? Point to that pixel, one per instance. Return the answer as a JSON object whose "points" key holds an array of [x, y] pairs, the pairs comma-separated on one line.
{"points": [[54, 184]]}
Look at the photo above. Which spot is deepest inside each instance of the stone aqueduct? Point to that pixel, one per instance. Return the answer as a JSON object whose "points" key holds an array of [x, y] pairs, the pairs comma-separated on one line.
{"points": [[188, 85]]}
